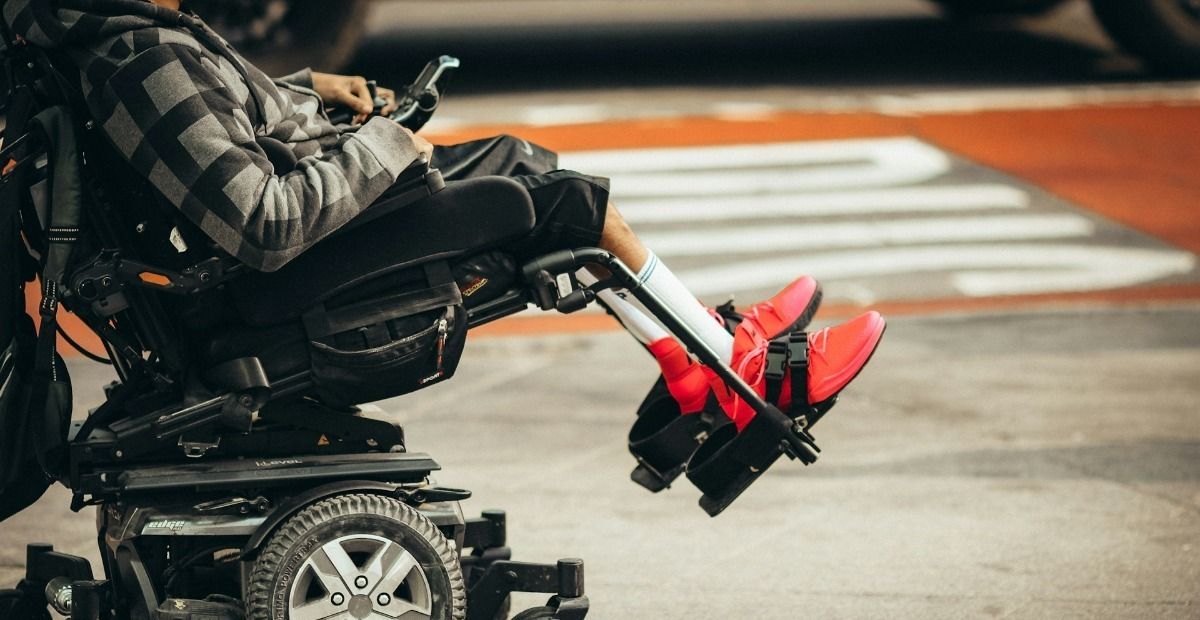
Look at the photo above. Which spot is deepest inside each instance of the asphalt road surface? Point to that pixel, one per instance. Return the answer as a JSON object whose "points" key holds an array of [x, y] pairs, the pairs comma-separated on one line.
{"points": [[1018, 198]]}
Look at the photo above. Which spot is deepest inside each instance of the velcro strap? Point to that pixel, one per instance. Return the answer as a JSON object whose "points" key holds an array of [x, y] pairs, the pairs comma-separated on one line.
{"points": [[797, 361], [62, 234], [776, 368], [49, 305], [788, 355]]}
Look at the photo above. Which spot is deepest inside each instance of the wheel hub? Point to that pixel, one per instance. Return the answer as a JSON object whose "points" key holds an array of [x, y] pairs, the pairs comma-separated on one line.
{"points": [[361, 607], [359, 576]]}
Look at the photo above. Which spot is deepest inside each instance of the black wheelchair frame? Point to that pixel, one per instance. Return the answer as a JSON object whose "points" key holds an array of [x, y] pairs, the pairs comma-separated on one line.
{"points": [[242, 452]]}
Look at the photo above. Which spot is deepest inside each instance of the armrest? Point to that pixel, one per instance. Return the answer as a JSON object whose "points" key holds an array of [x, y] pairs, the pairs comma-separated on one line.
{"points": [[416, 183]]}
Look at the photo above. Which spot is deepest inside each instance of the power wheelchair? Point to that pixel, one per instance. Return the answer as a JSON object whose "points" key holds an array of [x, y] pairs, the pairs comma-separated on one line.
{"points": [[232, 471]]}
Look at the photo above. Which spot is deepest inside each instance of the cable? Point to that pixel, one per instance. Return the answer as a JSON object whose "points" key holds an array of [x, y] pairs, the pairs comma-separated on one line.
{"points": [[83, 351]]}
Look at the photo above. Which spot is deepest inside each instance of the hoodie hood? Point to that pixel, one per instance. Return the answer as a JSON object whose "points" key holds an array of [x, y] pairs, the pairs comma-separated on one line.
{"points": [[82, 23], [56, 23]]}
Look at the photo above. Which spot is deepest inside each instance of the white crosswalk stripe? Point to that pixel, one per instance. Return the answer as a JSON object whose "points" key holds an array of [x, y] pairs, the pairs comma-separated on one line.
{"points": [[797, 237], [874, 219], [919, 199]]}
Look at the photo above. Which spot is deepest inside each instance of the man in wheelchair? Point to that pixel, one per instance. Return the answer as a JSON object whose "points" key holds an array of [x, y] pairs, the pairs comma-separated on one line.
{"points": [[196, 119], [373, 251]]}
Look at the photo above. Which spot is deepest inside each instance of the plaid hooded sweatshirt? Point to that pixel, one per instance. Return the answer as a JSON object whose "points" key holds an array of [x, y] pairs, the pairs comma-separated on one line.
{"points": [[191, 115]]}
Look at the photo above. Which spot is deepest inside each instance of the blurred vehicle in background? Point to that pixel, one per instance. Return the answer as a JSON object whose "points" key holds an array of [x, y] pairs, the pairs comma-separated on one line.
{"points": [[282, 34]]}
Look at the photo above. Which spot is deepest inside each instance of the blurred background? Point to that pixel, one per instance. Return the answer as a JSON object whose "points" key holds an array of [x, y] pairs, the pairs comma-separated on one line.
{"points": [[1012, 182]]}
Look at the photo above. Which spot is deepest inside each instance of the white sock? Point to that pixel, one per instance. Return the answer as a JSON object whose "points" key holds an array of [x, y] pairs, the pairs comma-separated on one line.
{"points": [[657, 278], [633, 318]]}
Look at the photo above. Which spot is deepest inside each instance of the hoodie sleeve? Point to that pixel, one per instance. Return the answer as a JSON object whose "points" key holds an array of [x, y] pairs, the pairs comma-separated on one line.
{"points": [[303, 78], [180, 126]]}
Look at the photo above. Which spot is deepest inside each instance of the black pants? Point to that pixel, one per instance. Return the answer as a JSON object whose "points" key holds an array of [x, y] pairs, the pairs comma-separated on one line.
{"points": [[569, 207]]}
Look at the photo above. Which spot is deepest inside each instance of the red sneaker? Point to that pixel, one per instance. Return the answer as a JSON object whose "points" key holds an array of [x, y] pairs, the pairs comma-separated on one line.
{"points": [[791, 309], [835, 357]]}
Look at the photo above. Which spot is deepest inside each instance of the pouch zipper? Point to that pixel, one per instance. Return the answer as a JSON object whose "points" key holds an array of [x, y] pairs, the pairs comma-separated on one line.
{"points": [[442, 328], [391, 345]]}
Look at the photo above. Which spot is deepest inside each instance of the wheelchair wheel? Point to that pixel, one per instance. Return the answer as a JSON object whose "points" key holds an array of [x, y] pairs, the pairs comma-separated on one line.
{"points": [[357, 556]]}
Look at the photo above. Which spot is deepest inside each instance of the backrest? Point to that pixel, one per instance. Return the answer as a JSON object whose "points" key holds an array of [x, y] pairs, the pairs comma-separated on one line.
{"points": [[124, 227]]}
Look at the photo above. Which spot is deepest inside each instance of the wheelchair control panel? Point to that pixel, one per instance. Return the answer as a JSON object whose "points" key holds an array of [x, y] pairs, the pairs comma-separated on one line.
{"points": [[415, 103]]}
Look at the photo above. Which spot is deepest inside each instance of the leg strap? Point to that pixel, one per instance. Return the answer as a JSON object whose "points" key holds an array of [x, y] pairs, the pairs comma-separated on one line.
{"points": [[788, 355]]}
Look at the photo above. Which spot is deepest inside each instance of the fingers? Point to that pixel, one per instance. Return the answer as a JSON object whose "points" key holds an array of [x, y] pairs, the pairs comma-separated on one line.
{"points": [[359, 98], [424, 147], [389, 96]]}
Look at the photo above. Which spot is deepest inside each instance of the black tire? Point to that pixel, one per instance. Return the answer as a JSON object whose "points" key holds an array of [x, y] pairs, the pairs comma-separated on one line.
{"points": [[972, 8], [536, 613], [308, 33], [505, 609], [332, 532], [1166, 33], [14, 605]]}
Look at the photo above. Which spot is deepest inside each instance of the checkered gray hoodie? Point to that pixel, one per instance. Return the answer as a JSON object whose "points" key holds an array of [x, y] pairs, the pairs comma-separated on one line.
{"points": [[191, 115]]}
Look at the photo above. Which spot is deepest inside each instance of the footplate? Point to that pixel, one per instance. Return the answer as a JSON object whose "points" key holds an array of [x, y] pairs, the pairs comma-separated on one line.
{"points": [[492, 576], [564, 580]]}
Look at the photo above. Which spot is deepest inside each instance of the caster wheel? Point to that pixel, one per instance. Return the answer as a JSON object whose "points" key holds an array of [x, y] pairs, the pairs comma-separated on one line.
{"points": [[14, 605], [357, 556], [536, 613]]}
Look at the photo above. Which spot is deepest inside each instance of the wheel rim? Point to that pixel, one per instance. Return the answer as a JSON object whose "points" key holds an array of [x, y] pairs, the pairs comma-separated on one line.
{"points": [[358, 577]]}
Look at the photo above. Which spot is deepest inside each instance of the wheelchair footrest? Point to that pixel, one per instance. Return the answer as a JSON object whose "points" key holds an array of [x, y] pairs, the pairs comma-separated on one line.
{"points": [[662, 440], [728, 462]]}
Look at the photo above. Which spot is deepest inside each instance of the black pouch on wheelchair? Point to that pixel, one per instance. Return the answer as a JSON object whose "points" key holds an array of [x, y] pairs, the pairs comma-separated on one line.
{"points": [[389, 344], [484, 277]]}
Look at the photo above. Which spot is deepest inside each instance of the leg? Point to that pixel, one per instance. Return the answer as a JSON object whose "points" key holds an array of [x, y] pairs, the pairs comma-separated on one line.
{"points": [[572, 210], [617, 237], [505, 156]]}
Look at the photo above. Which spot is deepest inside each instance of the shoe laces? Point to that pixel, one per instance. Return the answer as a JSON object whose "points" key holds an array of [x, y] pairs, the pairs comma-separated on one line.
{"points": [[753, 314], [756, 353], [818, 343]]}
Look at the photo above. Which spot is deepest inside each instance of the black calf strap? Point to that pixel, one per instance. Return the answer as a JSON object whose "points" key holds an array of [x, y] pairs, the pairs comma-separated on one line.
{"points": [[788, 355]]}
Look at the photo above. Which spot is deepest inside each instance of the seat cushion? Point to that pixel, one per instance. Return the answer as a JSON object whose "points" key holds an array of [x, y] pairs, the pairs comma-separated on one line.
{"points": [[464, 218]]}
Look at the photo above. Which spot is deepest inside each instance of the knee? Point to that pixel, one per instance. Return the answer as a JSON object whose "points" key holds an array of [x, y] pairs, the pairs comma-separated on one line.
{"points": [[509, 142], [614, 223]]}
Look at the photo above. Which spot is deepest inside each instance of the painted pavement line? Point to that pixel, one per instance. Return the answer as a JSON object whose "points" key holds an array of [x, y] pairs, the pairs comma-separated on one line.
{"points": [[976, 271], [788, 166], [929, 199], [676, 159], [811, 236]]}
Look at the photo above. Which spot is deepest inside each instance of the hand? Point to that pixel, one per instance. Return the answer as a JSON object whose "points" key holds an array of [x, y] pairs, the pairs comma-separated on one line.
{"points": [[423, 146], [348, 91], [389, 96]]}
